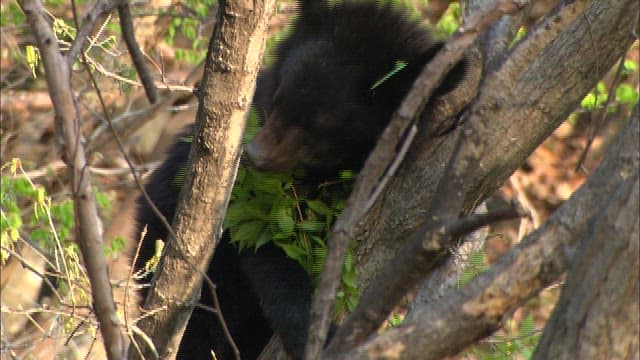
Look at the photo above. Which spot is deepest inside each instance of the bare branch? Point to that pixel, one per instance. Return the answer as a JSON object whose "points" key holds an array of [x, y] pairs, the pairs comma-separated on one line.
{"points": [[88, 233], [418, 257], [127, 125], [128, 34]]}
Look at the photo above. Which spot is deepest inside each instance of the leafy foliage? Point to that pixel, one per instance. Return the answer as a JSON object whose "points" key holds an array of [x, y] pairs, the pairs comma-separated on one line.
{"points": [[10, 14], [28, 213], [189, 25], [451, 19], [625, 93], [267, 207]]}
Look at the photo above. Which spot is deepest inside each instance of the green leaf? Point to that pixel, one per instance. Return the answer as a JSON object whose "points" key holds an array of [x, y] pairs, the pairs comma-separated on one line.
{"points": [[467, 275], [630, 66], [114, 247], [347, 175], [33, 58], [626, 94], [319, 254], [399, 65], [348, 261], [243, 211], [319, 242], [179, 177], [527, 326], [292, 251], [280, 218], [396, 320], [310, 226], [318, 206], [349, 279], [591, 102], [247, 233], [103, 200], [263, 238]]}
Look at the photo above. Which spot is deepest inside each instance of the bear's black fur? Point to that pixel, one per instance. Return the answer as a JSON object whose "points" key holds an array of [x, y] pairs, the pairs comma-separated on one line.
{"points": [[322, 113]]}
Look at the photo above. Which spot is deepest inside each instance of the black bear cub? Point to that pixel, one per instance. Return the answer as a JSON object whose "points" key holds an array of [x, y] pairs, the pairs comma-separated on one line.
{"points": [[334, 85]]}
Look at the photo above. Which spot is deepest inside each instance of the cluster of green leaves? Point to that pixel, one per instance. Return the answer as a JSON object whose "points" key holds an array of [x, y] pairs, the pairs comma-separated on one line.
{"points": [[189, 26], [28, 213], [265, 207], [27, 209], [451, 20], [10, 14], [625, 93]]}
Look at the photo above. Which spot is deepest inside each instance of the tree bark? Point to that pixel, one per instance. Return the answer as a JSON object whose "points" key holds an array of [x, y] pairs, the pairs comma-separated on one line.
{"points": [[597, 314], [519, 104], [530, 92], [233, 60], [462, 317]]}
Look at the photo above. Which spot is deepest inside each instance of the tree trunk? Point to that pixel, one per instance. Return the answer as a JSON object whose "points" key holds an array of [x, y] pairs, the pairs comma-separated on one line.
{"points": [[461, 317], [597, 314], [519, 104], [233, 60]]}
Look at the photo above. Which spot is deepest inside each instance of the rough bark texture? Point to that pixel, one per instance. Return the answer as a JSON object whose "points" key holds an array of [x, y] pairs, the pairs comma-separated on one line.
{"points": [[520, 102], [233, 59], [443, 328], [597, 314], [518, 106]]}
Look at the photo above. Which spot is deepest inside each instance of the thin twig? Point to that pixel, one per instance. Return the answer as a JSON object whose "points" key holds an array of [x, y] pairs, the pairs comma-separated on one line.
{"points": [[593, 128]]}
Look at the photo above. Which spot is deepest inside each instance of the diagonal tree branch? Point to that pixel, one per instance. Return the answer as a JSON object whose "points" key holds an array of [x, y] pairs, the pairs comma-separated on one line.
{"points": [[462, 317], [128, 34], [423, 252], [347, 225], [518, 106], [89, 21]]}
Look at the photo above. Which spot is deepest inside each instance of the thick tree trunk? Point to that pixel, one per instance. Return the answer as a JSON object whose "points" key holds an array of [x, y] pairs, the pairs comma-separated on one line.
{"points": [[519, 104], [597, 314], [233, 60], [461, 317]]}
